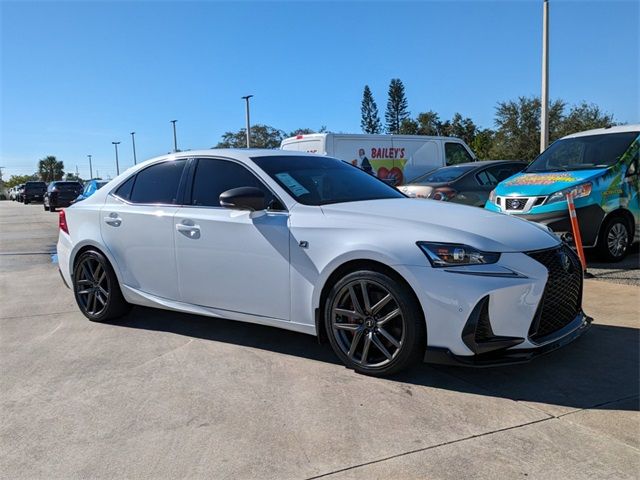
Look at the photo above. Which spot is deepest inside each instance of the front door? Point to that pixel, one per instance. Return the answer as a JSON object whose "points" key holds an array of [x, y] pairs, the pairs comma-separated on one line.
{"points": [[233, 260]]}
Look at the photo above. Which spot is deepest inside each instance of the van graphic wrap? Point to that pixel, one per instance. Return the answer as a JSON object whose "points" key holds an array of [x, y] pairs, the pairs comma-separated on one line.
{"points": [[386, 163]]}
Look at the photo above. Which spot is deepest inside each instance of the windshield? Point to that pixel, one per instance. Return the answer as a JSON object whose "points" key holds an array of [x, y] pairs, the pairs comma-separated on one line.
{"points": [[580, 153], [324, 180], [443, 175]]}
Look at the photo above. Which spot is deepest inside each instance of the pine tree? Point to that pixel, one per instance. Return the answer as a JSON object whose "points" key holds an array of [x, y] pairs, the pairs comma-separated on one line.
{"points": [[397, 106], [370, 121]]}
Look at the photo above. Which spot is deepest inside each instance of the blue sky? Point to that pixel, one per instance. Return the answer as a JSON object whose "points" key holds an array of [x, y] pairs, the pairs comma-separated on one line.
{"points": [[78, 75]]}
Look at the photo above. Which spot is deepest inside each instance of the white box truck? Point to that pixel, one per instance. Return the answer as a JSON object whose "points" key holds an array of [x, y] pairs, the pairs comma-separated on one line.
{"points": [[396, 159]]}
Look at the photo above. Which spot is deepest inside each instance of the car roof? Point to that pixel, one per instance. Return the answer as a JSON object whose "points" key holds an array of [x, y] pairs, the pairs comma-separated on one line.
{"points": [[634, 127], [483, 163]]}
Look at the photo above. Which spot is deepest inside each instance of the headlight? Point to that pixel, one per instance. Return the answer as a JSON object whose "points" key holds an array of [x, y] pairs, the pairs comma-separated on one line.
{"points": [[582, 190], [453, 254], [492, 196]]}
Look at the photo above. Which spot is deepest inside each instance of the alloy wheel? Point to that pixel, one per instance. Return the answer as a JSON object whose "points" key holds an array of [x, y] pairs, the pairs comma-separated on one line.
{"points": [[617, 239], [92, 286], [367, 323]]}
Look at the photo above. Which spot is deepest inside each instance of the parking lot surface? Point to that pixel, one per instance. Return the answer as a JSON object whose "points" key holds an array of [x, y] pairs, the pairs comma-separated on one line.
{"points": [[165, 395]]}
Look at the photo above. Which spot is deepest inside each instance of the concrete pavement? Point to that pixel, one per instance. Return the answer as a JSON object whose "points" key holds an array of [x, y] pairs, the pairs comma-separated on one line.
{"points": [[164, 395]]}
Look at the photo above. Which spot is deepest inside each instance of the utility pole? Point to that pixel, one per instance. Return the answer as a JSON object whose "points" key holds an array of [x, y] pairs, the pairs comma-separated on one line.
{"points": [[544, 100], [77, 174], [133, 140], [246, 99], [175, 141], [90, 167], [117, 165]]}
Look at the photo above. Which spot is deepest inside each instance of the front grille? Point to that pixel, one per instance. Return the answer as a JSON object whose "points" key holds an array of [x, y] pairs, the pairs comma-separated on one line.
{"points": [[516, 203], [562, 296]]}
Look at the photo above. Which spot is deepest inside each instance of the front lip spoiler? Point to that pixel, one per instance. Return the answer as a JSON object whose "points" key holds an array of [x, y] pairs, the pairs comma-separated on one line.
{"points": [[444, 356]]}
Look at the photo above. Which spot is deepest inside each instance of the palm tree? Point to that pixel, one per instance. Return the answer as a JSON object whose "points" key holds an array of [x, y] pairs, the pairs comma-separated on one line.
{"points": [[50, 169]]}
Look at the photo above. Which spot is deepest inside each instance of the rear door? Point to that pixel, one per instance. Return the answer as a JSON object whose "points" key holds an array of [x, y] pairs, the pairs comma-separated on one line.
{"points": [[233, 260], [137, 228]]}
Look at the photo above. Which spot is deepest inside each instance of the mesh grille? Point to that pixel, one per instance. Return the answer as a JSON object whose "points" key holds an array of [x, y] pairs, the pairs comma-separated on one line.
{"points": [[516, 203], [563, 293]]}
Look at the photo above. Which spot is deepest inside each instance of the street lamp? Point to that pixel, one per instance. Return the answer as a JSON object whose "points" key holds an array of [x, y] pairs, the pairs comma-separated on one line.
{"points": [[544, 100], [246, 99], [133, 140], [117, 165], [175, 141], [90, 168]]}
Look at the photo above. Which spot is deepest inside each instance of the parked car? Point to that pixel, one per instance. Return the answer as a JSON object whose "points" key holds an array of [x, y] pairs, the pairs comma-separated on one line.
{"points": [[467, 183], [13, 192], [19, 193], [61, 194], [318, 246], [392, 158], [600, 168], [90, 187], [33, 192]]}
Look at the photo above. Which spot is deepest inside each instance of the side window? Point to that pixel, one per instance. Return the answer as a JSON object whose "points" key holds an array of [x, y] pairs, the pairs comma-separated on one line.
{"points": [[504, 171], [455, 153], [485, 178], [214, 177], [157, 184], [124, 190]]}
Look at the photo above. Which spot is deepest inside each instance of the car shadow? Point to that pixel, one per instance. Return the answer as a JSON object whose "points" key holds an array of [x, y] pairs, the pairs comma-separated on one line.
{"points": [[600, 367]]}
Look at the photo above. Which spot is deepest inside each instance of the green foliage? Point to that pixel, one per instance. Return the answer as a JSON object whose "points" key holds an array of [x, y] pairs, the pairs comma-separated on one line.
{"points": [[18, 179], [50, 169], [482, 143], [370, 120], [262, 136], [397, 106], [518, 125]]}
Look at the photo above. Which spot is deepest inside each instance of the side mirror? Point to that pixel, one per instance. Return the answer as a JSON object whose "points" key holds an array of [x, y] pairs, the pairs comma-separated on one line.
{"points": [[243, 198], [633, 169]]}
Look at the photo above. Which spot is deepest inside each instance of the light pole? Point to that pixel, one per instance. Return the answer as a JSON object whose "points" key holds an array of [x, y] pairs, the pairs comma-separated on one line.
{"points": [[90, 168], [175, 141], [117, 165], [133, 140], [544, 100], [246, 99]]}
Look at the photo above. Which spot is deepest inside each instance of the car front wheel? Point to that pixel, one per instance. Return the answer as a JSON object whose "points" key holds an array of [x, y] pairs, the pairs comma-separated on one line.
{"points": [[614, 240], [374, 323], [96, 288]]}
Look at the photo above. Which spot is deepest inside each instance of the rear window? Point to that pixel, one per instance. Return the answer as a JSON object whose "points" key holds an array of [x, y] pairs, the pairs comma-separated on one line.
{"points": [[68, 186], [35, 185], [157, 184]]}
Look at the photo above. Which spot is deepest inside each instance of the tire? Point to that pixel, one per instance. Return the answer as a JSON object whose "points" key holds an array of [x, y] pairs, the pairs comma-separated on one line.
{"points": [[44, 205], [26, 202], [389, 335], [52, 208], [96, 288], [614, 239]]}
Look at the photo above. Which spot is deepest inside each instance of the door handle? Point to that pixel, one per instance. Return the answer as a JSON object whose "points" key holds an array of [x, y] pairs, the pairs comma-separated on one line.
{"points": [[113, 219], [189, 229]]}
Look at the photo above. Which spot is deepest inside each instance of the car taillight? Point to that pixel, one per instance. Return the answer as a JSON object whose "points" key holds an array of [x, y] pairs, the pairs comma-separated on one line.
{"points": [[443, 194], [62, 222]]}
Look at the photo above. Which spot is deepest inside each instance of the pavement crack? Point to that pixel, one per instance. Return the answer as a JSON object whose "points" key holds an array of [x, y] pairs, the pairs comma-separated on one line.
{"points": [[430, 447]]}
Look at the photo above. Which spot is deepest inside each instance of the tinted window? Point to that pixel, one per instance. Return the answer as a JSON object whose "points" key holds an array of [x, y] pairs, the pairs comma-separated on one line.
{"points": [[322, 180], [591, 151], [455, 153], [505, 170], [443, 175], [486, 178], [214, 177], [67, 186], [124, 190], [158, 183]]}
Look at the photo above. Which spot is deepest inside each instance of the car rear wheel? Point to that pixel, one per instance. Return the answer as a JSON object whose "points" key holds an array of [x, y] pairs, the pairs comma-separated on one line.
{"points": [[614, 239], [96, 288], [374, 323]]}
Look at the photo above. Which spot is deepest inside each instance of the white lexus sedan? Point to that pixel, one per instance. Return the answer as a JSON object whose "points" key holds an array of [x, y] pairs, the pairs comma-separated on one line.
{"points": [[318, 246]]}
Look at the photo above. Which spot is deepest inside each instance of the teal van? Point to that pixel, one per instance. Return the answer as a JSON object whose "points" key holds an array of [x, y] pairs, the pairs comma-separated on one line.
{"points": [[601, 168]]}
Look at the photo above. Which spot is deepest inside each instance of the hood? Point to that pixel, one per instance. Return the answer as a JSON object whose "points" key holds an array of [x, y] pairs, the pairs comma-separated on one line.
{"points": [[545, 183], [434, 221]]}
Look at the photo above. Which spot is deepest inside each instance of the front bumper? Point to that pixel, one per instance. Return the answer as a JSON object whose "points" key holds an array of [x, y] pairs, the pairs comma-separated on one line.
{"points": [[571, 332]]}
